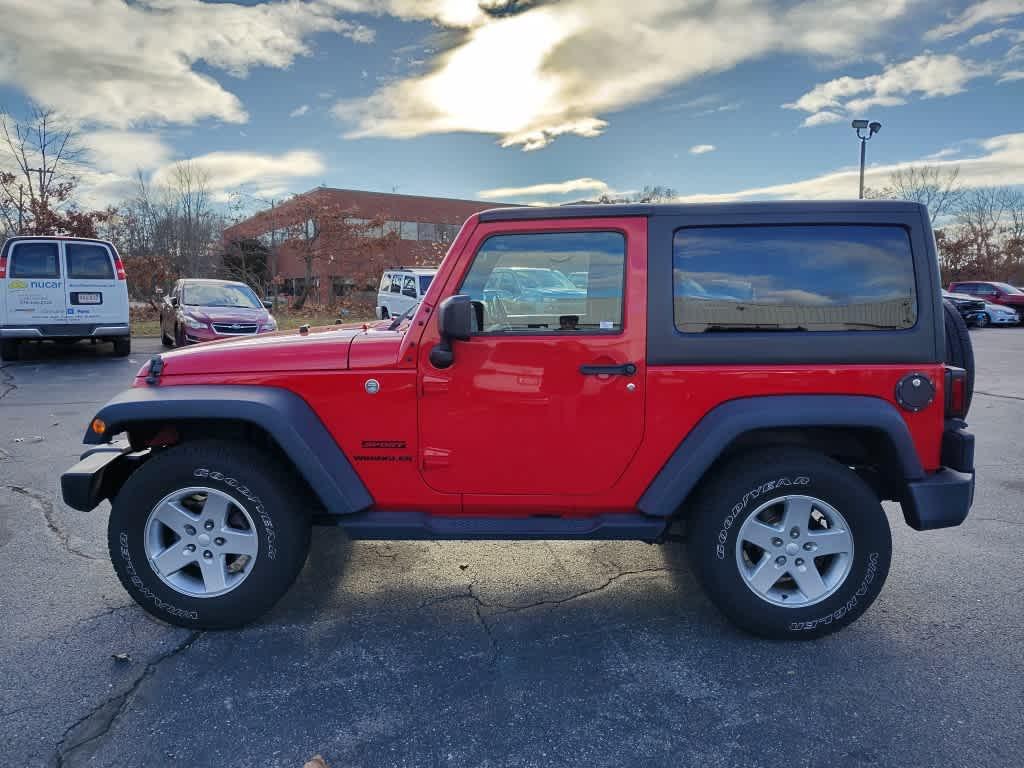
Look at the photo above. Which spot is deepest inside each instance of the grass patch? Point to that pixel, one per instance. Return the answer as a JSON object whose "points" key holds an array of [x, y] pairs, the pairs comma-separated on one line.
{"points": [[146, 328]]}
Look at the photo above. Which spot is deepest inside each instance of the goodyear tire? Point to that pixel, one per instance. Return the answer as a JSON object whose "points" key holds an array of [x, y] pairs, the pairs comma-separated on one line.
{"points": [[959, 350], [208, 535], [790, 544]]}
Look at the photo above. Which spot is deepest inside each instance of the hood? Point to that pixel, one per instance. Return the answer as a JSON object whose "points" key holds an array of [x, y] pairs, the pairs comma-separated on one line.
{"points": [[226, 314], [989, 306], [322, 349]]}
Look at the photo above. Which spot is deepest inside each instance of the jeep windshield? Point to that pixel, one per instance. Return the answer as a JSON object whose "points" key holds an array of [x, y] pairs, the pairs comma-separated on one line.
{"points": [[210, 295]]}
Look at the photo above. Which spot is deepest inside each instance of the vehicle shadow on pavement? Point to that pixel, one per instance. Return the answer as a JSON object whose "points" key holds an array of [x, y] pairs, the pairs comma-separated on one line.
{"points": [[58, 351]]}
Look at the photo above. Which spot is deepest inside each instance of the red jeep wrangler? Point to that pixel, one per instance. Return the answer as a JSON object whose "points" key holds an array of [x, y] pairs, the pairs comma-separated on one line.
{"points": [[759, 377]]}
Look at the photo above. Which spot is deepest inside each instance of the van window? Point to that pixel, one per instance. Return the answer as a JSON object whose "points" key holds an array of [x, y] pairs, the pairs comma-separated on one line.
{"points": [[35, 260], [409, 286], [385, 283], [87, 261], [425, 283], [396, 283], [801, 277]]}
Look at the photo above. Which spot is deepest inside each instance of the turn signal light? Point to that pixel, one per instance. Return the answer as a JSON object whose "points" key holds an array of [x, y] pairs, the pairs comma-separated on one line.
{"points": [[956, 392], [119, 266], [98, 426], [3, 267]]}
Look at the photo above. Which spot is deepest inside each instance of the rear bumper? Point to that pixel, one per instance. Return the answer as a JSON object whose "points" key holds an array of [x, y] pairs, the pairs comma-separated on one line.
{"points": [[62, 331], [98, 474], [943, 498]]}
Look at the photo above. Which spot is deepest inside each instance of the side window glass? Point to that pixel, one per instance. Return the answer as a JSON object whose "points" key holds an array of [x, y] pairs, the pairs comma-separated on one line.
{"points": [[521, 282], [793, 278], [88, 262], [409, 286], [385, 283], [396, 283], [35, 260]]}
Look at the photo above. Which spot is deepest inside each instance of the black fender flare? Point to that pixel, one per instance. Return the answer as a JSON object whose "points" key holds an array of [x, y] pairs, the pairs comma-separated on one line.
{"points": [[285, 416], [725, 423]]}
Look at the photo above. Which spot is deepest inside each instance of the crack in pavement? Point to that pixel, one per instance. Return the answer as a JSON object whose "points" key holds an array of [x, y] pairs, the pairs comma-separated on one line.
{"points": [[993, 394], [999, 520], [46, 507], [506, 609], [7, 382], [98, 721]]}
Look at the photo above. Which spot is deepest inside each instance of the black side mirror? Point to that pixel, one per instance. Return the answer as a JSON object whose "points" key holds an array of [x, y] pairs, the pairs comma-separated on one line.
{"points": [[455, 322], [267, 304]]}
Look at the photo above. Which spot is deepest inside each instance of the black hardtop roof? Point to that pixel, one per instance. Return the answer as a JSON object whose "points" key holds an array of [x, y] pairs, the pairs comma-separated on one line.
{"points": [[787, 207]]}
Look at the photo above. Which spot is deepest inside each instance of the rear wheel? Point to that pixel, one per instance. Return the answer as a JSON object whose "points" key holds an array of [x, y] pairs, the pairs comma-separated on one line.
{"points": [[123, 346], [384, 315], [9, 350], [165, 340], [209, 535], [959, 350], [790, 544]]}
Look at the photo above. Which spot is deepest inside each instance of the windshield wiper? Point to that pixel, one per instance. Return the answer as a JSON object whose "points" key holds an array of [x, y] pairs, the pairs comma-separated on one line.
{"points": [[402, 317]]}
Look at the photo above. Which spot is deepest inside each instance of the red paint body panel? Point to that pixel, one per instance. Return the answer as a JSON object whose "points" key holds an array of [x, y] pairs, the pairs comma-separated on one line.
{"points": [[513, 428]]}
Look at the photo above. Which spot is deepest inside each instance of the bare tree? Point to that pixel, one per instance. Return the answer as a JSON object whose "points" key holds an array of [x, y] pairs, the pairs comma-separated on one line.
{"points": [[189, 192], [649, 194], [936, 187], [38, 158]]}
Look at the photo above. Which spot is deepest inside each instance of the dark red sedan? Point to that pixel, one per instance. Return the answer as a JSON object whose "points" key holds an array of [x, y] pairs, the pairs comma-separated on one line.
{"points": [[204, 310], [993, 293]]}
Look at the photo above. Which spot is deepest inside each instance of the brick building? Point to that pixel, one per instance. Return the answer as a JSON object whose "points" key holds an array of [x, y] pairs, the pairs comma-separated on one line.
{"points": [[417, 230]]}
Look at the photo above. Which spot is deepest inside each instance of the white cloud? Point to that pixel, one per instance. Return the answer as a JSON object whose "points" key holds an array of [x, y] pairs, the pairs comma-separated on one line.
{"points": [[927, 75], [299, 111], [986, 12], [230, 170], [1000, 163], [1012, 76], [1014, 35], [119, 64], [702, 149], [822, 118], [553, 188], [560, 68], [125, 152]]}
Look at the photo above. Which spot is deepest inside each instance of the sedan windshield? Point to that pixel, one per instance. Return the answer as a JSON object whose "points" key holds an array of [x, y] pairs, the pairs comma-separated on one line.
{"points": [[214, 295], [1007, 288]]}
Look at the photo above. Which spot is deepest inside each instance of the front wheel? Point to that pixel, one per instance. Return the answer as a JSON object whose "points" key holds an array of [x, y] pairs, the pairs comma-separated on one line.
{"points": [[790, 544], [208, 535], [384, 314]]}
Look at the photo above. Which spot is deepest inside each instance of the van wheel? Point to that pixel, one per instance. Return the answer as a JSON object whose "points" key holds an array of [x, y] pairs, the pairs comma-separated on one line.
{"points": [[384, 315], [9, 350], [790, 544], [208, 535], [123, 346]]}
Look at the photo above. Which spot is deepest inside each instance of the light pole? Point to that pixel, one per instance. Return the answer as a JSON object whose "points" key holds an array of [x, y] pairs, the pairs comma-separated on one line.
{"points": [[872, 128]]}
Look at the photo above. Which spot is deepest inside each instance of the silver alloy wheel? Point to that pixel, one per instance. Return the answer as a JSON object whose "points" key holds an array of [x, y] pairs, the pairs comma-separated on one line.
{"points": [[794, 551], [200, 542]]}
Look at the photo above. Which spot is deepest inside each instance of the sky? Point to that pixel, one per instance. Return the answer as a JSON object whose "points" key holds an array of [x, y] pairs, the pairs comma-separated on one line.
{"points": [[526, 101]]}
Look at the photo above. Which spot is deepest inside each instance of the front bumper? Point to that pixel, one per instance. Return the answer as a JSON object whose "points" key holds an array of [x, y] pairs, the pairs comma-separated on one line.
{"points": [[97, 475], [943, 498], [1003, 319]]}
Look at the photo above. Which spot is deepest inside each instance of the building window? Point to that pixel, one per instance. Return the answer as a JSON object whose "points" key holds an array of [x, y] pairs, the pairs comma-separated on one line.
{"points": [[409, 230], [392, 228], [426, 231]]}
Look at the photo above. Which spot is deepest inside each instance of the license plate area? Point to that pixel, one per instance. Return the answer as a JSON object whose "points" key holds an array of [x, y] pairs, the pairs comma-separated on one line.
{"points": [[86, 298]]}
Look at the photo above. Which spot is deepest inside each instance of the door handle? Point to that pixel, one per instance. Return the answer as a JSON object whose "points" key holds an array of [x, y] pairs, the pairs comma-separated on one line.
{"points": [[626, 369]]}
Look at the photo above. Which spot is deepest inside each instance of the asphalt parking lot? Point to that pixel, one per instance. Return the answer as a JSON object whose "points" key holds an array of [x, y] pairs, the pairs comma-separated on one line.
{"points": [[498, 654]]}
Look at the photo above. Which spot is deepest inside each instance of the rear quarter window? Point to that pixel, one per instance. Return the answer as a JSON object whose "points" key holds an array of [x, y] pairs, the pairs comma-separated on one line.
{"points": [[86, 261], [793, 277], [35, 260]]}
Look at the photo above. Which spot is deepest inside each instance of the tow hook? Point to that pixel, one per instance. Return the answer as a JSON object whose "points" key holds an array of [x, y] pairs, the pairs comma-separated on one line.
{"points": [[156, 367]]}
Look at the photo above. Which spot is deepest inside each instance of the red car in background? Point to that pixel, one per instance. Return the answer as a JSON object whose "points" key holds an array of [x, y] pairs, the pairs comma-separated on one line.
{"points": [[204, 310], [993, 293]]}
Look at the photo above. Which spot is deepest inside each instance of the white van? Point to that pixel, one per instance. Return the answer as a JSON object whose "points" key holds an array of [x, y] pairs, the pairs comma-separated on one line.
{"points": [[62, 288], [402, 288]]}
